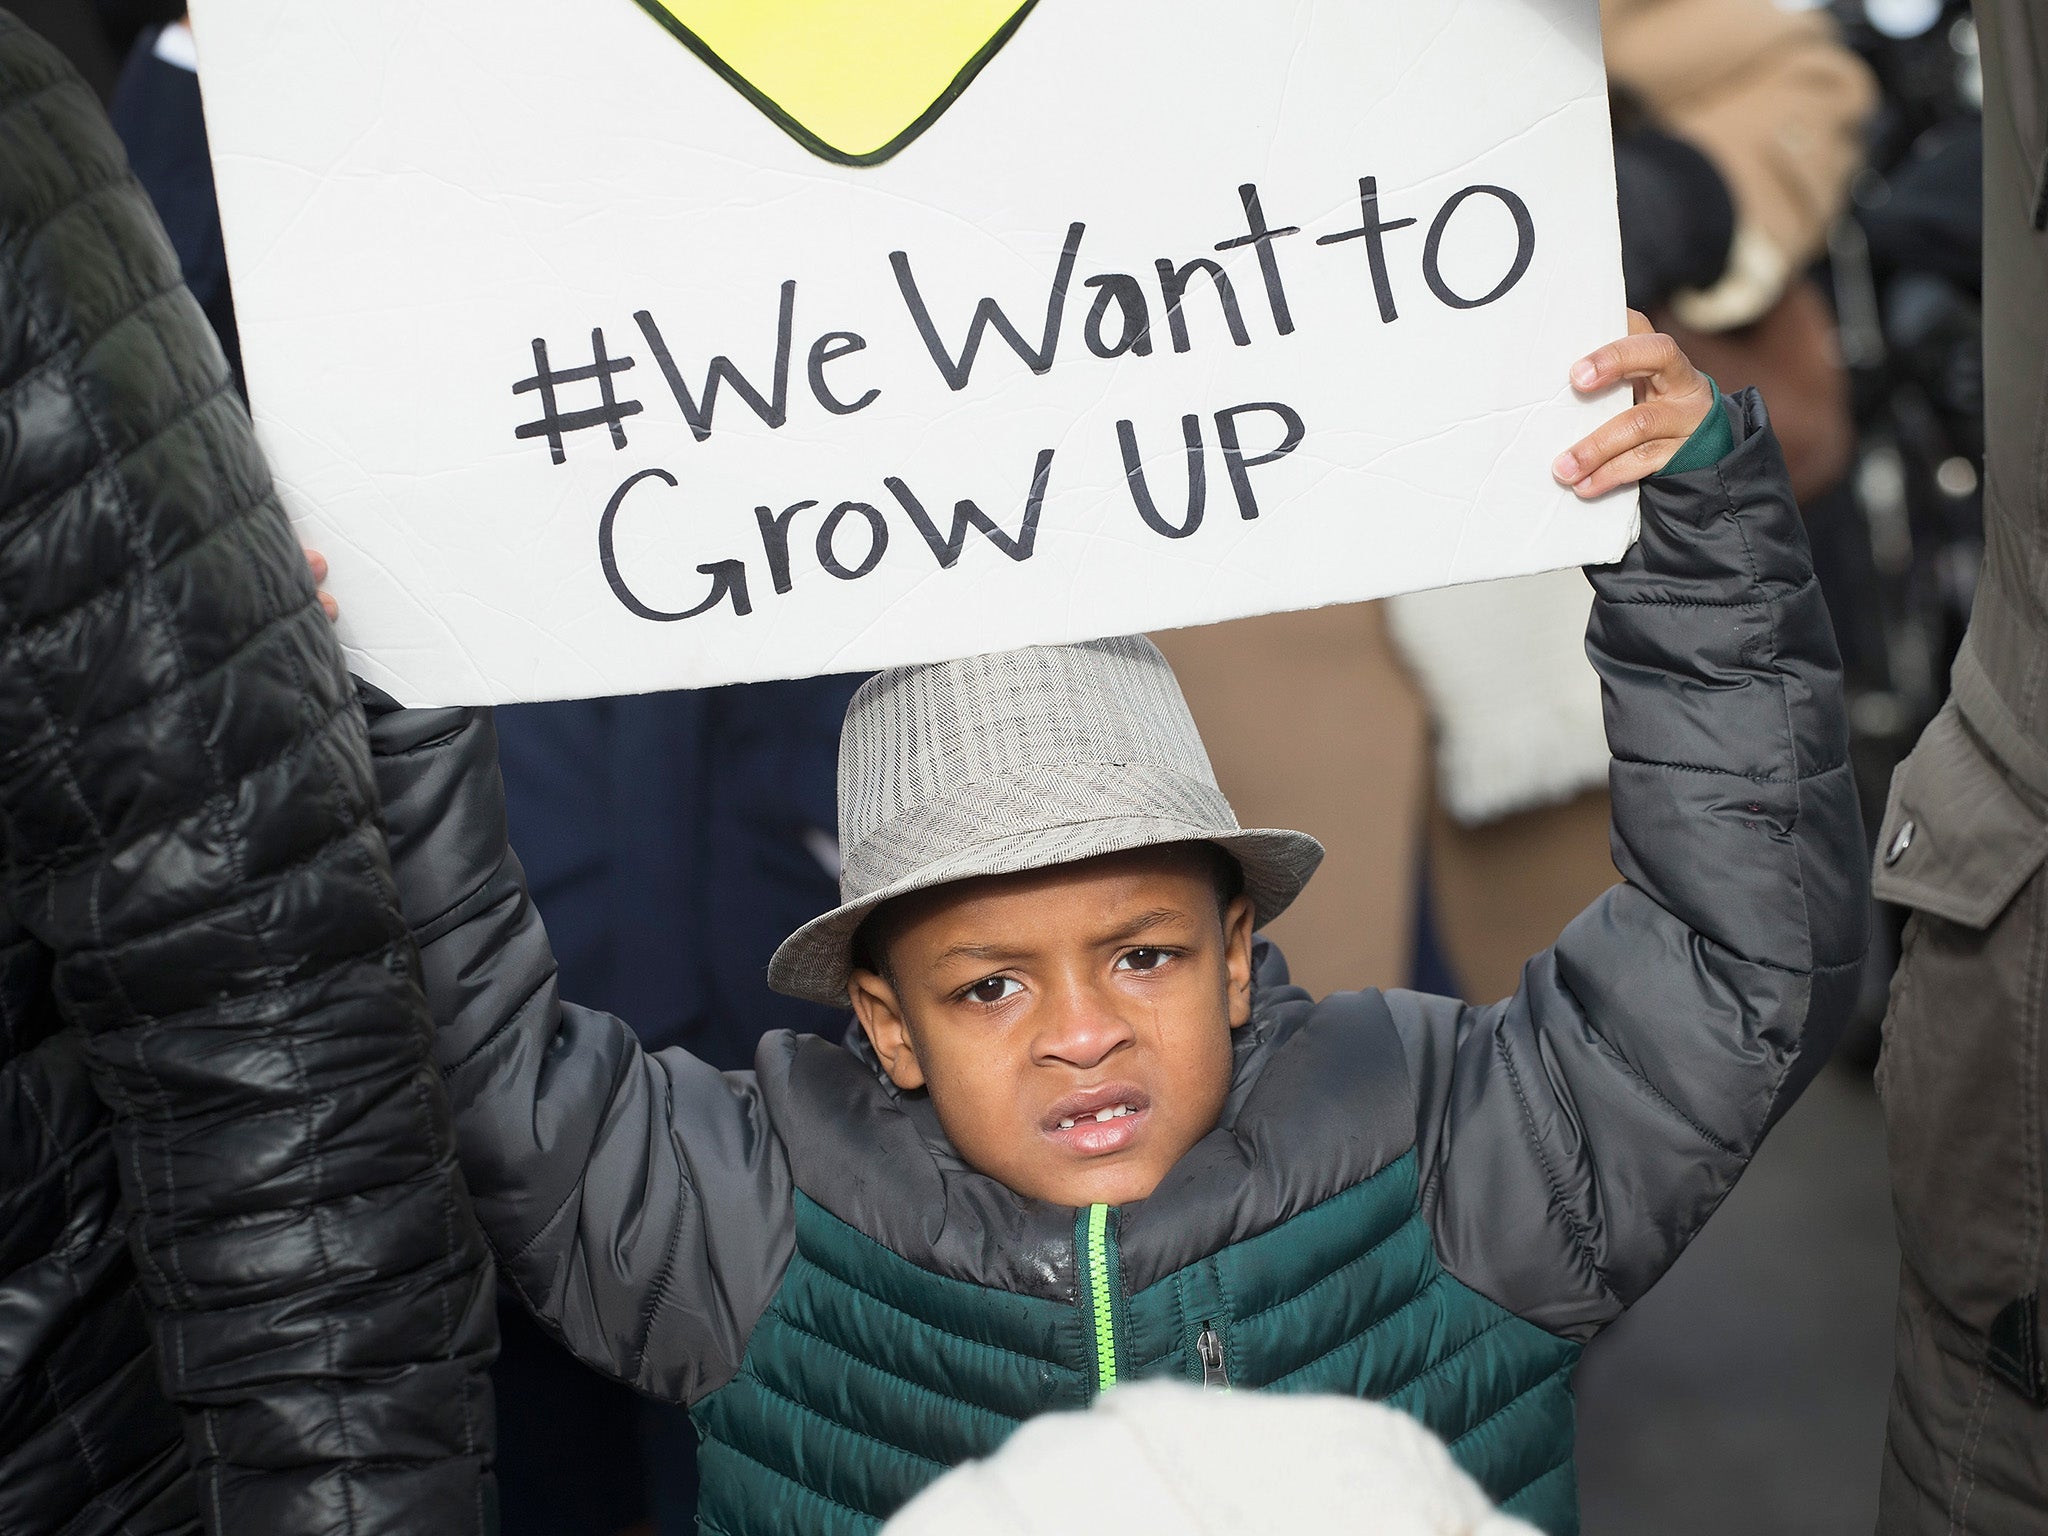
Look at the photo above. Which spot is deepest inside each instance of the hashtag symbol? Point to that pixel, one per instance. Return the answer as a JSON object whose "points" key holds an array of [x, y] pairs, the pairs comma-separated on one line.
{"points": [[554, 422]]}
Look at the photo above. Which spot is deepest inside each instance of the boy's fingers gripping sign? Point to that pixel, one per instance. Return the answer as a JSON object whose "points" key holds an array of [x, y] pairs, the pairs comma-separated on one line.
{"points": [[1672, 399], [317, 564]]}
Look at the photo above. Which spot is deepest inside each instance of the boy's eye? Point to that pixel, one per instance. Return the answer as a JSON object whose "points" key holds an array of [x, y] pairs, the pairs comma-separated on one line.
{"points": [[1144, 959], [994, 989]]}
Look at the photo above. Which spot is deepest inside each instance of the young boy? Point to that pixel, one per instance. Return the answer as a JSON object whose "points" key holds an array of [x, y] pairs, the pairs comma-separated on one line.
{"points": [[1086, 1132]]}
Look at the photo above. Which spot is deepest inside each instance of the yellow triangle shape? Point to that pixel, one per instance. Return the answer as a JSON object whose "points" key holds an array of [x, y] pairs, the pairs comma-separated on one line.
{"points": [[852, 80]]}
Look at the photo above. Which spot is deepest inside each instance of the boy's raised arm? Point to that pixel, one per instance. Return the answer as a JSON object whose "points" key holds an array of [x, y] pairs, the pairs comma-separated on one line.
{"points": [[638, 1202], [1575, 1136]]}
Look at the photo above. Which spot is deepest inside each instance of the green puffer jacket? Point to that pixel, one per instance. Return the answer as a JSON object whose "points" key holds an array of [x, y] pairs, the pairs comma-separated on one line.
{"points": [[1407, 1197], [1292, 1253]]}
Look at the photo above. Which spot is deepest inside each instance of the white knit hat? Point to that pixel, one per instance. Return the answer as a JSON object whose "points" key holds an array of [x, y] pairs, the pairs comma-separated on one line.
{"points": [[1170, 1459], [1021, 760]]}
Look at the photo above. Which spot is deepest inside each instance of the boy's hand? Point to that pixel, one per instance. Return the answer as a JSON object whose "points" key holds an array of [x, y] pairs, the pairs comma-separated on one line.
{"points": [[1672, 399], [317, 564]]}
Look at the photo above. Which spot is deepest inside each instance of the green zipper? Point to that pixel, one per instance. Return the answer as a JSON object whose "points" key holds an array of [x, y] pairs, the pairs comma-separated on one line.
{"points": [[1100, 1247]]}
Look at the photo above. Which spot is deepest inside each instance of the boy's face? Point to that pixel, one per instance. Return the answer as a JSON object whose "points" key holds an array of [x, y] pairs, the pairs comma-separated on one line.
{"points": [[1034, 1005]]}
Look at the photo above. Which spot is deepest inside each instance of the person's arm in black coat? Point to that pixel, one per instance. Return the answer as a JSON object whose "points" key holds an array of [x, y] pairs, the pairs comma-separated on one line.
{"points": [[189, 824]]}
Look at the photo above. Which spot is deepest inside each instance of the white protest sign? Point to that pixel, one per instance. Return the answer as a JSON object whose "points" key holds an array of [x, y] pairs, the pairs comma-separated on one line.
{"points": [[614, 345]]}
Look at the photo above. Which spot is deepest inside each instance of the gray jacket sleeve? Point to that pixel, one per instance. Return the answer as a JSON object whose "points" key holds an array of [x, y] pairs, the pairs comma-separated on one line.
{"points": [[639, 1202], [1575, 1136]]}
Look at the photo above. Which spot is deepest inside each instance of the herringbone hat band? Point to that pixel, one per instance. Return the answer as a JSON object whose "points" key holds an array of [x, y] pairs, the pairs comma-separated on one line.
{"points": [[1021, 760]]}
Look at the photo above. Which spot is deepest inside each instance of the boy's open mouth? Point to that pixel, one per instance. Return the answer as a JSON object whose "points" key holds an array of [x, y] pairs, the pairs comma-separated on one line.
{"points": [[1098, 1120]]}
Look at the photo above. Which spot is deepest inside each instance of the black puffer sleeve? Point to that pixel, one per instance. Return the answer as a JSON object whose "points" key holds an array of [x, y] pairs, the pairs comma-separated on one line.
{"points": [[640, 1201], [188, 825], [1577, 1135]]}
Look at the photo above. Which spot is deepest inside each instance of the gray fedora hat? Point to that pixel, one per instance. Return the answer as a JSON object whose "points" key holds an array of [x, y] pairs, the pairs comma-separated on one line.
{"points": [[1016, 761]]}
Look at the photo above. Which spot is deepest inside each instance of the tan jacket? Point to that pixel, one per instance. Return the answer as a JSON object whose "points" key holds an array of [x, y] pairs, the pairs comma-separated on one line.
{"points": [[1775, 101]]}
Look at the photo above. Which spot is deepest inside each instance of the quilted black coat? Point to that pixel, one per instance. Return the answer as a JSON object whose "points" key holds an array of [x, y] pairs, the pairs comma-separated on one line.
{"points": [[239, 1279]]}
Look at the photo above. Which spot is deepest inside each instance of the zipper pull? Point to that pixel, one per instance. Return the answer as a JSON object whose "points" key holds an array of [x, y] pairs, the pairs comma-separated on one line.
{"points": [[1210, 1348]]}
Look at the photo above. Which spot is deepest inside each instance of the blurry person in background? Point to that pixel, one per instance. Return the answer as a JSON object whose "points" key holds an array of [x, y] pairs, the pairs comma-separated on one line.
{"points": [[1739, 126], [1964, 1075]]}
